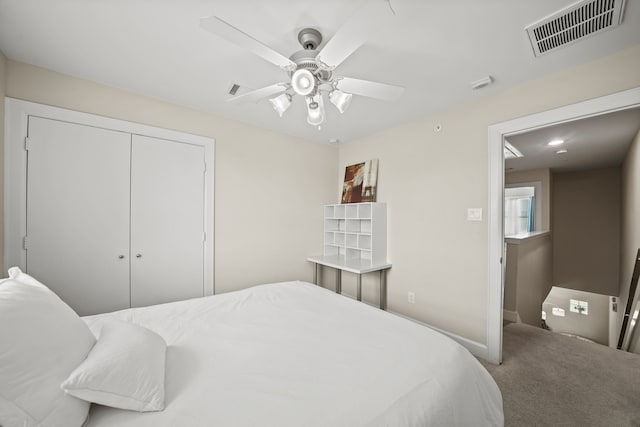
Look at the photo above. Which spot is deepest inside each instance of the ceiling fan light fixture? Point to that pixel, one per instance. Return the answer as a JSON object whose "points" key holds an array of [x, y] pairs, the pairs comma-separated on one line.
{"points": [[303, 82], [310, 70], [281, 103], [340, 99], [315, 120], [315, 116]]}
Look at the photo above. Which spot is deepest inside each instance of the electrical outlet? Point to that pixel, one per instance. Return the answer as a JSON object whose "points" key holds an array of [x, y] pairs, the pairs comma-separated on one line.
{"points": [[411, 297]]}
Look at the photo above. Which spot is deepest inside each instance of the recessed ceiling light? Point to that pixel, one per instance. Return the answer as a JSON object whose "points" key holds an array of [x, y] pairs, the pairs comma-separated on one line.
{"points": [[556, 142], [561, 151]]}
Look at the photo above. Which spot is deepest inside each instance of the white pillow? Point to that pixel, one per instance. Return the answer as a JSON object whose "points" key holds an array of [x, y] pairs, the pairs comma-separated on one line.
{"points": [[125, 369], [41, 341]]}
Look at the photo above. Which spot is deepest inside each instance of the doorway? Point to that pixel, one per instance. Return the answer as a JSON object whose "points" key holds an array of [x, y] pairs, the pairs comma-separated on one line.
{"points": [[497, 133], [581, 163]]}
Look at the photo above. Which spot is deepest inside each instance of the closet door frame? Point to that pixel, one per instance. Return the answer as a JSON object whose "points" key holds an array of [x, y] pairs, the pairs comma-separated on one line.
{"points": [[17, 113]]}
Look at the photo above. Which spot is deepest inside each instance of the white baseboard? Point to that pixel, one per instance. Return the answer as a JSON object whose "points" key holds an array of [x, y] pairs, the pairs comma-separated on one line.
{"points": [[476, 348], [511, 316]]}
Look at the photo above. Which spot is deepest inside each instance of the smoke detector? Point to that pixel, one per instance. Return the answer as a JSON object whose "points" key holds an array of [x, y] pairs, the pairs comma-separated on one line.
{"points": [[483, 82]]}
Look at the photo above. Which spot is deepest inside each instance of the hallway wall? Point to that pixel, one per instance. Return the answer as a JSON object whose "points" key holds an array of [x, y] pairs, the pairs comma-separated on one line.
{"points": [[527, 277], [630, 239], [586, 230]]}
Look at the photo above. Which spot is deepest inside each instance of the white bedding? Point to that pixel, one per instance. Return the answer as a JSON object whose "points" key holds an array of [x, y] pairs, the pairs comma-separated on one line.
{"points": [[294, 354]]}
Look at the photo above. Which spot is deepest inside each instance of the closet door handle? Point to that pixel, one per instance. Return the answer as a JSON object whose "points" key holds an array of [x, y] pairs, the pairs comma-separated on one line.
{"points": [[120, 256], [138, 255]]}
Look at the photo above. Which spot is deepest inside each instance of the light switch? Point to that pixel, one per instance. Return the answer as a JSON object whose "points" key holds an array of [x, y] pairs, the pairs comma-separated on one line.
{"points": [[556, 311], [474, 214]]}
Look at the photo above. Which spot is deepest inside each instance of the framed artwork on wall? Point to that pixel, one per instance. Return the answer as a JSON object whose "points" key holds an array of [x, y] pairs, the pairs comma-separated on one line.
{"points": [[360, 182]]}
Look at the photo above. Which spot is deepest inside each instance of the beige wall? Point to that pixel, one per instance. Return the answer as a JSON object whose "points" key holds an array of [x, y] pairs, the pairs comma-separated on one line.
{"points": [[586, 233], [528, 278], [429, 179], [630, 240], [269, 187], [3, 81], [544, 177]]}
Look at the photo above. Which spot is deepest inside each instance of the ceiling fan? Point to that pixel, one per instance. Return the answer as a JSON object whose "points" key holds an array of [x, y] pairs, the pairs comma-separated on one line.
{"points": [[311, 71]]}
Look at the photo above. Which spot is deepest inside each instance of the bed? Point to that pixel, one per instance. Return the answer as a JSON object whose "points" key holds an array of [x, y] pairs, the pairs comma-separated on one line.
{"points": [[295, 354]]}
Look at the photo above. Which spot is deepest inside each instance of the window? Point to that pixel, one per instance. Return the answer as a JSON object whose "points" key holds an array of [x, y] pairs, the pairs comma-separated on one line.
{"points": [[519, 210]]}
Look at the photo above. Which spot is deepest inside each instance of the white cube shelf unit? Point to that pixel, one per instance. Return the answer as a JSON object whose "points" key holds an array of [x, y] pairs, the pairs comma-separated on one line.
{"points": [[356, 232]]}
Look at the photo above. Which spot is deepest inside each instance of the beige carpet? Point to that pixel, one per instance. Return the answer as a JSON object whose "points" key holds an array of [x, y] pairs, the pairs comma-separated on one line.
{"points": [[549, 379]]}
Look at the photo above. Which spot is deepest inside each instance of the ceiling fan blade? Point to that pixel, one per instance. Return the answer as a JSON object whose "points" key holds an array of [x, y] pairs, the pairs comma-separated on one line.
{"points": [[260, 94], [346, 41], [370, 89], [238, 37], [352, 35]]}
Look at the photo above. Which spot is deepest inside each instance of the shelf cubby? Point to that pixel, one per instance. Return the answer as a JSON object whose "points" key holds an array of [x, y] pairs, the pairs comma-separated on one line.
{"points": [[364, 210], [353, 225], [329, 237], [356, 231], [352, 240], [364, 241], [329, 211], [352, 211], [331, 250]]}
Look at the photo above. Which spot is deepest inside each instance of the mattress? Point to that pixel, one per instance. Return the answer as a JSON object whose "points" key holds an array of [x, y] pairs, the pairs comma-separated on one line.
{"points": [[295, 354]]}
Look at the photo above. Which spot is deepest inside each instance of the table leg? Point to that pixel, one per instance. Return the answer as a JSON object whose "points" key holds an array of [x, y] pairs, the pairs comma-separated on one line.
{"points": [[338, 281], [315, 273], [383, 289], [359, 287]]}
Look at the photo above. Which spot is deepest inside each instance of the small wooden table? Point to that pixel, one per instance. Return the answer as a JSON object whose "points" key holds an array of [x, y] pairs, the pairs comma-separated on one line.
{"points": [[356, 266]]}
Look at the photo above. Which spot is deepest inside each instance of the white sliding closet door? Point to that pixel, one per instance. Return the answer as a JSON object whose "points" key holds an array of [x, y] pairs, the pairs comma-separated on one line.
{"points": [[167, 221], [78, 213]]}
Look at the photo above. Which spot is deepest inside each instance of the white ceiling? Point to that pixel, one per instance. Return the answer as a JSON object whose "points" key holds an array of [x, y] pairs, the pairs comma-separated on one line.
{"points": [[435, 49], [591, 143]]}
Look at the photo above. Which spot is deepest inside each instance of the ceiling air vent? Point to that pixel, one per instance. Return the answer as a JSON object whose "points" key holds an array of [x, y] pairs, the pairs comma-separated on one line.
{"points": [[574, 23], [234, 89]]}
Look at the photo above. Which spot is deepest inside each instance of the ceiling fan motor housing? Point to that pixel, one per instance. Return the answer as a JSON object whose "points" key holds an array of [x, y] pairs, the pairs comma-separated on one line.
{"points": [[309, 38], [305, 59]]}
